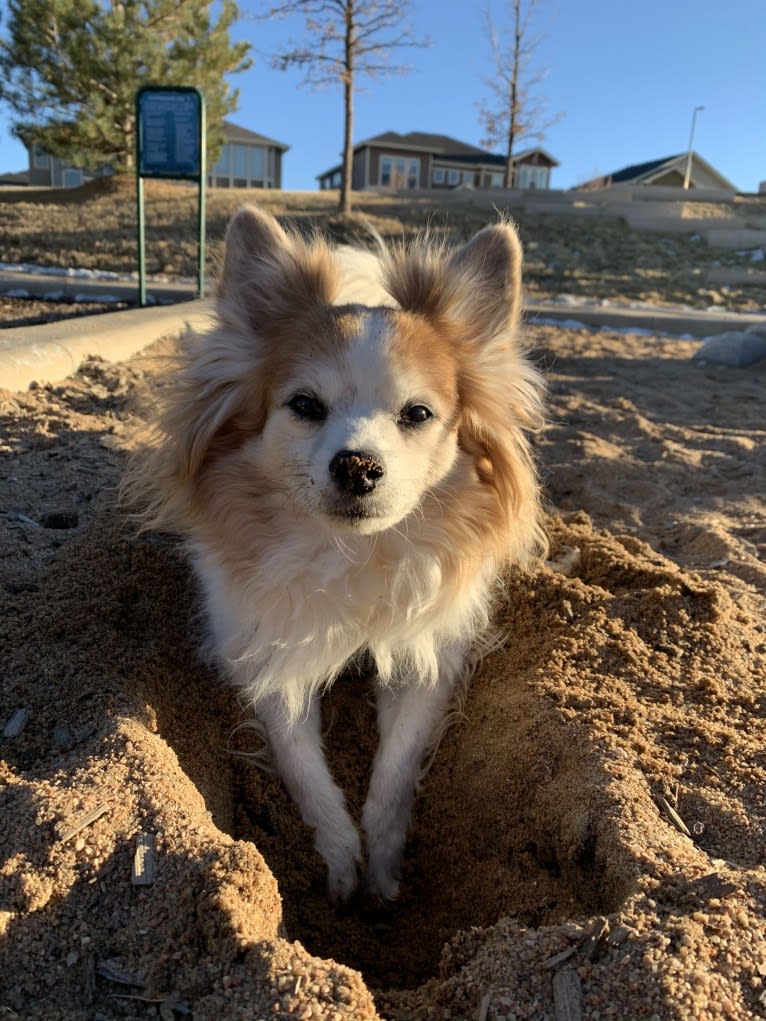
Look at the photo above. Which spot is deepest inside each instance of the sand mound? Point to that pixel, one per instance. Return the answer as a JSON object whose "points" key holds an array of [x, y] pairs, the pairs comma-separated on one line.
{"points": [[547, 867]]}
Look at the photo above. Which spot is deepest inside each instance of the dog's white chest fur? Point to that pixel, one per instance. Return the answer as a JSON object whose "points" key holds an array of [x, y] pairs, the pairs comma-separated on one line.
{"points": [[287, 623]]}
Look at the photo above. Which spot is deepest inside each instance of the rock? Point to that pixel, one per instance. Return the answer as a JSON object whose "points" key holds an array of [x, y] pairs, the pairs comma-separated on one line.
{"points": [[734, 349], [759, 329]]}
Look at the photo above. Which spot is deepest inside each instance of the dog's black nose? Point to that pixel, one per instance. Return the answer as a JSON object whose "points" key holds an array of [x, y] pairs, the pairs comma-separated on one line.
{"points": [[356, 471]]}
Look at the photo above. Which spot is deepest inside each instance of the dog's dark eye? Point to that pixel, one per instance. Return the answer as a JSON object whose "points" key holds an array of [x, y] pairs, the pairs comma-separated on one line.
{"points": [[308, 407], [415, 414]]}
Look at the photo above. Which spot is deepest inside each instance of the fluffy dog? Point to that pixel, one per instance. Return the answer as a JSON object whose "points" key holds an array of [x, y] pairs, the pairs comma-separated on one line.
{"points": [[351, 480]]}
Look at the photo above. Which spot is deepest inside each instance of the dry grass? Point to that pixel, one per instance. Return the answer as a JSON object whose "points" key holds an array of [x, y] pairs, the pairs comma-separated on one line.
{"points": [[599, 257]]}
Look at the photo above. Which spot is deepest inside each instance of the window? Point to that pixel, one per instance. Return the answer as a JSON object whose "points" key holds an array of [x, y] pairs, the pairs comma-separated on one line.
{"points": [[438, 175], [40, 158], [239, 161], [221, 169], [399, 172], [532, 177], [258, 163], [453, 177], [468, 177], [496, 180], [72, 178]]}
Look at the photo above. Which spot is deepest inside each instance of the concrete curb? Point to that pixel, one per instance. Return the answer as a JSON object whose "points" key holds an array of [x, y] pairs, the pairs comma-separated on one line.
{"points": [[54, 350], [677, 322]]}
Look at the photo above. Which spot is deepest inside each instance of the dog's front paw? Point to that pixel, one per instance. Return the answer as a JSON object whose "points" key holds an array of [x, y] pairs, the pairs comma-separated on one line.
{"points": [[386, 833], [384, 862], [342, 853], [381, 883]]}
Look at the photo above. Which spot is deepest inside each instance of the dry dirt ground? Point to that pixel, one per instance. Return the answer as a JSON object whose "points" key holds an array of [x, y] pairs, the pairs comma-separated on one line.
{"points": [[591, 834]]}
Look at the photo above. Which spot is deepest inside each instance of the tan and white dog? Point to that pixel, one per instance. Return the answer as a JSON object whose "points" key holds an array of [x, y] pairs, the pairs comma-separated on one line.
{"points": [[351, 479]]}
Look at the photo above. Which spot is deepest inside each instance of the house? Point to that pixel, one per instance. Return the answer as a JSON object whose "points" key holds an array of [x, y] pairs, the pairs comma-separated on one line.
{"points": [[14, 179], [46, 171], [421, 160], [669, 172], [247, 160]]}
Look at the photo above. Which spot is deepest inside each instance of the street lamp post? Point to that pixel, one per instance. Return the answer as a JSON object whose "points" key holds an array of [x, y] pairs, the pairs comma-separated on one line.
{"points": [[688, 174]]}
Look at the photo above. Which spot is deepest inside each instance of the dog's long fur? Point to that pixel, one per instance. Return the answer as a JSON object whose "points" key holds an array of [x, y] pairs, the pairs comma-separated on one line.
{"points": [[351, 478]]}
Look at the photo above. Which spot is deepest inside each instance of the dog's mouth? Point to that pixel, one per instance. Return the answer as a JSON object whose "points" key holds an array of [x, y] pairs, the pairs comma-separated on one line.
{"points": [[351, 515], [358, 513]]}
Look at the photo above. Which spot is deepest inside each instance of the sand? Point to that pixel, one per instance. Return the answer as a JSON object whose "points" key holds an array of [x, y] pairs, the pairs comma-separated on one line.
{"points": [[590, 839]]}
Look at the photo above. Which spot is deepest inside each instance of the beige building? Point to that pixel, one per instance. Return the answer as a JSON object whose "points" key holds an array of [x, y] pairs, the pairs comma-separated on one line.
{"points": [[247, 160], [668, 172]]}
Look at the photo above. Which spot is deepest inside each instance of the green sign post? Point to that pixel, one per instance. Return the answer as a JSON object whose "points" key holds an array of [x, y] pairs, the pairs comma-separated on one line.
{"points": [[170, 143]]}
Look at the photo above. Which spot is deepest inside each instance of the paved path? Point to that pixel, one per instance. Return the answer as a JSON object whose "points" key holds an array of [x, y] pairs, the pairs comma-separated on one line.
{"points": [[678, 322], [54, 286]]}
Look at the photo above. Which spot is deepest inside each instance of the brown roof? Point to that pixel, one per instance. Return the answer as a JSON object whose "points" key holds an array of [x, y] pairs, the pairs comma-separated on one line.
{"points": [[441, 144], [234, 133]]}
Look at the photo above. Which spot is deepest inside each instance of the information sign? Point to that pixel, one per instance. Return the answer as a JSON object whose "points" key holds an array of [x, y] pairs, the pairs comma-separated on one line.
{"points": [[170, 143], [169, 132]]}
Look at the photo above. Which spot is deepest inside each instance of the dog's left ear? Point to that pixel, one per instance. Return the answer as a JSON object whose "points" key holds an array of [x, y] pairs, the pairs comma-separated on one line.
{"points": [[478, 286], [484, 277]]}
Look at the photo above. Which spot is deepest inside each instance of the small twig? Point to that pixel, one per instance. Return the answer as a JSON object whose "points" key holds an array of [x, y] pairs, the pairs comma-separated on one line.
{"points": [[673, 816], [90, 977], [82, 823]]}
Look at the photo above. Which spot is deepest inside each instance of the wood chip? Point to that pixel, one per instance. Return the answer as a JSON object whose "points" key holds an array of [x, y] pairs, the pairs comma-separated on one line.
{"points": [[712, 885], [143, 861], [83, 822], [590, 945], [567, 995], [16, 724], [62, 737], [673, 816], [112, 972], [617, 936], [554, 962], [481, 1013]]}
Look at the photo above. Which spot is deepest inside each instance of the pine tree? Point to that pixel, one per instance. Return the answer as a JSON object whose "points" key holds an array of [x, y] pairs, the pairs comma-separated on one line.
{"points": [[70, 70]]}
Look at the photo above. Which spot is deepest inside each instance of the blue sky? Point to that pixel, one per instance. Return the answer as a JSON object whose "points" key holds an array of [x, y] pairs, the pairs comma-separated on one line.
{"points": [[626, 77]]}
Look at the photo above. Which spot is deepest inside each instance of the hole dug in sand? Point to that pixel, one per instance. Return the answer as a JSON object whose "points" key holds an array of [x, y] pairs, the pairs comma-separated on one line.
{"points": [[626, 682], [515, 816], [499, 830]]}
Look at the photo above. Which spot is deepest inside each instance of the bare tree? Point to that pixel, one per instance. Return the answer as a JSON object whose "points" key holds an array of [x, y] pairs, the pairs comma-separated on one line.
{"points": [[343, 40], [515, 109]]}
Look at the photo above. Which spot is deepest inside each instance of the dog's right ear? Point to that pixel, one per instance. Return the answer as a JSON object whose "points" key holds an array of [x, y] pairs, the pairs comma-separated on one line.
{"points": [[251, 235], [270, 276]]}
